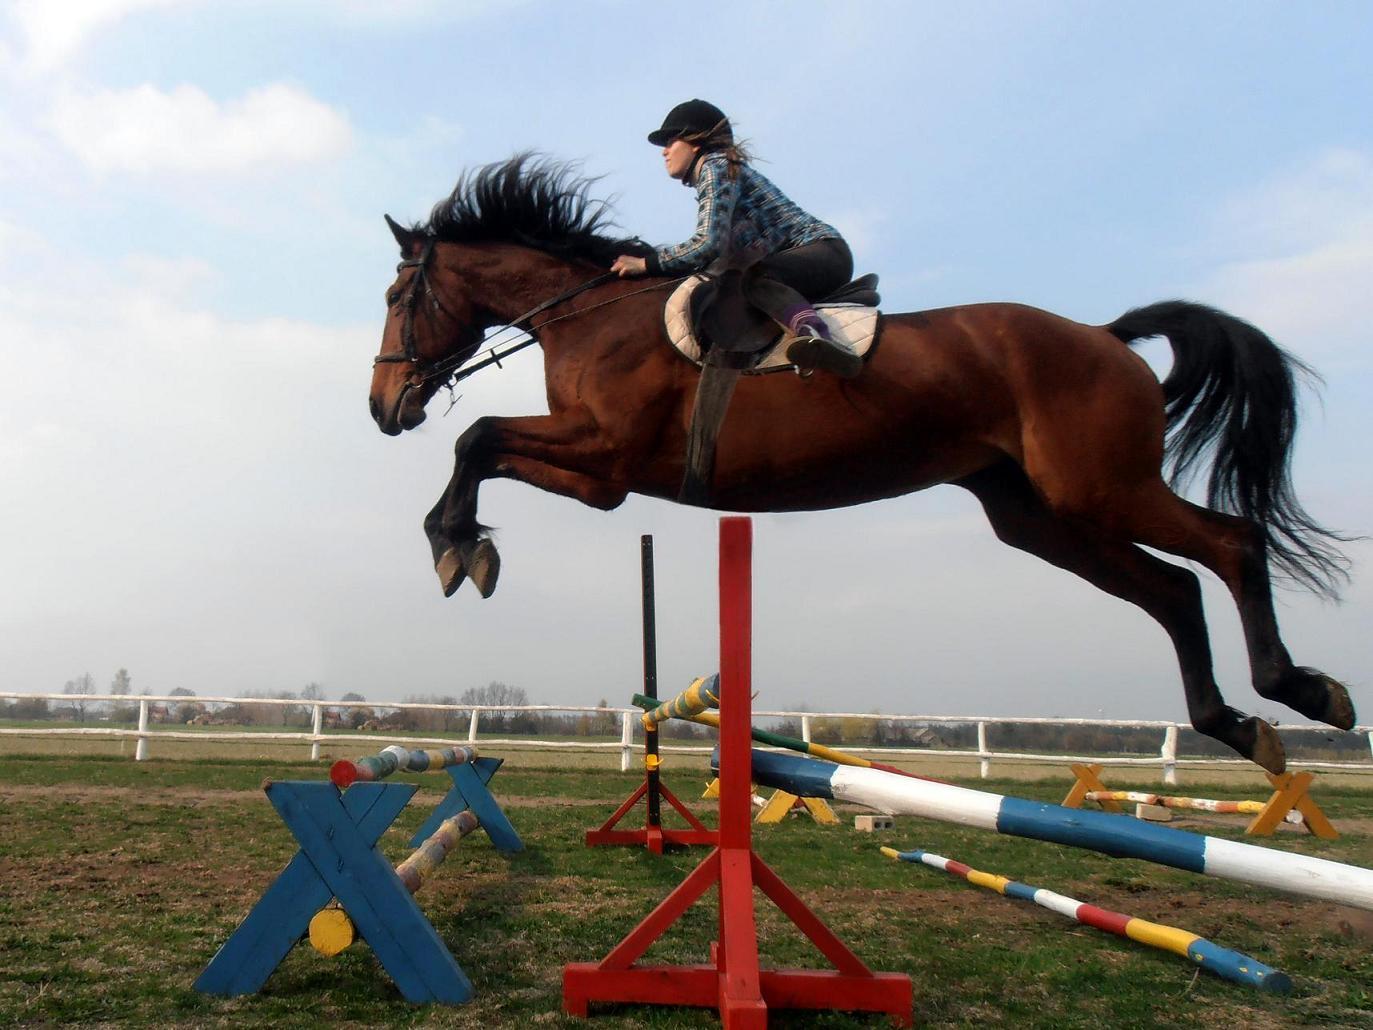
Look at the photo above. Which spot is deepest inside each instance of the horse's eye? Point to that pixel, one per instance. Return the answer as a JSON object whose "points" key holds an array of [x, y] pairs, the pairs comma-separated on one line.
{"points": [[392, 297]]}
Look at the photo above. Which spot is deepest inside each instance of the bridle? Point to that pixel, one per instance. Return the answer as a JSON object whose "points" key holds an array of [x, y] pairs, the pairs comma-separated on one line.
{"points": [[422, 371], [448, 371]]}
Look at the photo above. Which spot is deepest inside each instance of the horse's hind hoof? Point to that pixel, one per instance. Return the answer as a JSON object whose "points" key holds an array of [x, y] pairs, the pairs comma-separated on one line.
{"points": [[1318, 696], [483, 564], [1267, 749], [451, 571]]}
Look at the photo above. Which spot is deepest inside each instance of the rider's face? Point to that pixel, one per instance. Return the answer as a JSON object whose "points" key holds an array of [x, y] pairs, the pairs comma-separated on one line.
{"points": [[678, 155]]}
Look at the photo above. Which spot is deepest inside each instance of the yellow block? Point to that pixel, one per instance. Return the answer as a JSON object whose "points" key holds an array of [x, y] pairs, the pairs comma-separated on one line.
{"points": [[820, 811], [777, 807], [331, 931]]}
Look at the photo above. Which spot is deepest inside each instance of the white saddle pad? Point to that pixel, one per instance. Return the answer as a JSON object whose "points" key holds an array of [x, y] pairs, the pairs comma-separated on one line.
{"points": [[854, 324]]}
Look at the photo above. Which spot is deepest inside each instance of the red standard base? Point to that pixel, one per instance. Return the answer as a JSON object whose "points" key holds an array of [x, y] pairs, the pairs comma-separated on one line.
{"points": [[732, 983], [655, 838]]}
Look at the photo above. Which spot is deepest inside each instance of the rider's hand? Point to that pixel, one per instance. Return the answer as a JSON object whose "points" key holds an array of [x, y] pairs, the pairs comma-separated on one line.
{"points": [[626, 266]]}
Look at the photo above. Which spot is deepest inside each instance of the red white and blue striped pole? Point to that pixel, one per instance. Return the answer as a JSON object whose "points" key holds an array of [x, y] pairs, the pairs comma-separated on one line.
{"points": [[1115, 835], [1210, 956], [395, 758]]}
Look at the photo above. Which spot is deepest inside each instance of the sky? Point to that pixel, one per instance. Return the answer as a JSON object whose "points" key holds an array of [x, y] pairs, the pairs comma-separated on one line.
{"points": [[192, 269]]}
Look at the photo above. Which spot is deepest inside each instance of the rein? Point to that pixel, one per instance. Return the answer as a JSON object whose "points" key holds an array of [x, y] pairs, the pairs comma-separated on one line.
{"points": [[449, 369], [494, 358]]}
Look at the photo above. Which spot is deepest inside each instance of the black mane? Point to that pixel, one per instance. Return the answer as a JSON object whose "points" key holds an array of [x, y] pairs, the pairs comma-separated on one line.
{"points": [[530, 200]]}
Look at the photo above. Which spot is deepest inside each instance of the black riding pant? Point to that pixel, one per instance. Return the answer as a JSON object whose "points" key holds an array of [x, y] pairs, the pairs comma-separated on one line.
{"points": [[786, 283]]}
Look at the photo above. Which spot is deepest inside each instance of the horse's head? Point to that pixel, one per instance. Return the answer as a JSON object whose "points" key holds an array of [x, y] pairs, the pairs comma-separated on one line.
{"points": [[432, 327]]}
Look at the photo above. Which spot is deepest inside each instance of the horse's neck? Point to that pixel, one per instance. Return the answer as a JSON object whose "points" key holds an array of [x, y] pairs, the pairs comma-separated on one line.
{"points": [[509, 280]]}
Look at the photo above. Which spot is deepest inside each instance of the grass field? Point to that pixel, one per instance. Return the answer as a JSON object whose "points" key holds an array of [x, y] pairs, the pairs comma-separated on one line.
{"points": [[119, 880]]}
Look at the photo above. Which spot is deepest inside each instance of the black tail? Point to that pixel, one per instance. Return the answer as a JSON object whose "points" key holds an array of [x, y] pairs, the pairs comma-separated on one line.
{"points": [[1231, 396]]}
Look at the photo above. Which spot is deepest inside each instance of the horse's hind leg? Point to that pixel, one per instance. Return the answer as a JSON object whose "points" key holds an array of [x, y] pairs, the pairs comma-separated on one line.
{"points": [[1235, 550], [1169, 593]]}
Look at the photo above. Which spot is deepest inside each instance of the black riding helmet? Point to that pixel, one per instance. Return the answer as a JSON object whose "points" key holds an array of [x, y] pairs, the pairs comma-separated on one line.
{"points": [[689, 118]]}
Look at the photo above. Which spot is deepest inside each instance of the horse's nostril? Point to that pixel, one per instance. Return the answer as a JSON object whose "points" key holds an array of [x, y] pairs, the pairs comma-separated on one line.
{"points": [[375, 408]]}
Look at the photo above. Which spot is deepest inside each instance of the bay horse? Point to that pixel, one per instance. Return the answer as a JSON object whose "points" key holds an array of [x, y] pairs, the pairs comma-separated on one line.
{"points": [[1059, 429]]}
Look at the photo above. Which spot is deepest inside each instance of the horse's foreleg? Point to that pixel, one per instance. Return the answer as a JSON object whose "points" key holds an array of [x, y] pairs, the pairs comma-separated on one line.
{"points": [[459, 543], [1170, 594], [562, 455]]}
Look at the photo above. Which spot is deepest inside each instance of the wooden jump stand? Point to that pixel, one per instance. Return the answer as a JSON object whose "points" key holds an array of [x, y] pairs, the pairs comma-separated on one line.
{"points": [[339, 858], [653, 835], [732, 981], [781, 804], [1291, 792]]}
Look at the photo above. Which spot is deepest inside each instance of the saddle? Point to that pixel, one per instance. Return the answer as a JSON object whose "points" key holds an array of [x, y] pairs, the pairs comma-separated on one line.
{"points": [[710, 313], [710, 321]]}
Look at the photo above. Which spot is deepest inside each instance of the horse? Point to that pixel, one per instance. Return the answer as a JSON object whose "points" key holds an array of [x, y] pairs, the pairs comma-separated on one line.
{"points": [[1059, 429]]}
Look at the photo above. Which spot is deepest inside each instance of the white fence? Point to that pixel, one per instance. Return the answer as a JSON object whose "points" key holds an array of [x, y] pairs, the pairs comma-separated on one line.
{"points": [[1167, 760]]}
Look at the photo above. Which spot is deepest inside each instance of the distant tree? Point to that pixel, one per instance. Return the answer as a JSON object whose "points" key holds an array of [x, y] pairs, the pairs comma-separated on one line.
{"points": [[497, 695], [30, 708], [355, 717], [122, 682], [83, 684], [603, 724], [312, 692], [287, 715], [181, 692]]}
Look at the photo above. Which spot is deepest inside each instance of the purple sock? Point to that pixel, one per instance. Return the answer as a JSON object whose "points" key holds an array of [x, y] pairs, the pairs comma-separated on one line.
{"points": [[806, 318]]}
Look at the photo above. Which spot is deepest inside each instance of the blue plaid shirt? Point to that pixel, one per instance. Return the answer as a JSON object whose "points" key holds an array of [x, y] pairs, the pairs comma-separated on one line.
{"points": [[735, 214]]}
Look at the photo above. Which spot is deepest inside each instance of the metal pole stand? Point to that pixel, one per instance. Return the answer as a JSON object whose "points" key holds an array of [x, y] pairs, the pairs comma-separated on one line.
{"points": [[652, 790]]}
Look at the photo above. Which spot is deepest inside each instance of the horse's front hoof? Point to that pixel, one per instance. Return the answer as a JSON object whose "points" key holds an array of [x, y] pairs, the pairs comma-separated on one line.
{"points": [[483, 565], [450, 570], [1267, 749], [1324, 698]]}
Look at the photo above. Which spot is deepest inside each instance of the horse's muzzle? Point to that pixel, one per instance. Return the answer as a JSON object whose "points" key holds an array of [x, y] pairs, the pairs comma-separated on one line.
{"points": [[407, 413]]}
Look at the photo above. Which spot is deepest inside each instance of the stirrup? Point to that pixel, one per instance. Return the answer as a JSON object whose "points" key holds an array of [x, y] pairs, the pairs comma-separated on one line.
{"points": [[810, 351]]}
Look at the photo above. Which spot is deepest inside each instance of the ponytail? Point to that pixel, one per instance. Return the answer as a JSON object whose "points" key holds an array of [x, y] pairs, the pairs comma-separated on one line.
{"points": [[720, 137]]}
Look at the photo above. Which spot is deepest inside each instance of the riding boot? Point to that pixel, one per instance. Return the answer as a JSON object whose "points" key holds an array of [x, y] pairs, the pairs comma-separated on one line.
{"points": [[814, 347]]}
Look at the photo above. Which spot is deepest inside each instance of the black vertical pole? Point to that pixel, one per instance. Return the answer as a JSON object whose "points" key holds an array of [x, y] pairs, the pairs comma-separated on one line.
{"points": [[650, 675]]}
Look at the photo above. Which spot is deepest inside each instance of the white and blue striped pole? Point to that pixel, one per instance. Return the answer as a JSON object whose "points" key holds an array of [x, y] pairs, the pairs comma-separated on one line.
{"points": [[1115, 835]]}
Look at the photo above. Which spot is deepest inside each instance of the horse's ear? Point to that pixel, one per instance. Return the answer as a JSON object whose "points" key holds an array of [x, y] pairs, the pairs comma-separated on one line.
{"points": [[411, 242]]}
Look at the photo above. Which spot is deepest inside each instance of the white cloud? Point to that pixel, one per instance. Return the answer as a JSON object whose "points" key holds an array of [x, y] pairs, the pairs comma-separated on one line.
{"points": [[1308, 240], [145, 130], [1329, 195], [54, 32]]}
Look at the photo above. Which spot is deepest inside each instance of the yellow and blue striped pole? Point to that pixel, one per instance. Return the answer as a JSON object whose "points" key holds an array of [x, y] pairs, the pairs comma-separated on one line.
{"points": [[1232, 965], [703, 694]]}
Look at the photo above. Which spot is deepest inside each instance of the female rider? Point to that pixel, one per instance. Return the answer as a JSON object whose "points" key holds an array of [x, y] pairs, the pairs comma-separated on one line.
{"points": [[738, 209]]}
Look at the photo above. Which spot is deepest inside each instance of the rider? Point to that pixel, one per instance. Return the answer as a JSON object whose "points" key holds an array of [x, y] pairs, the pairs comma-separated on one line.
{"points": [[739, 208]]}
